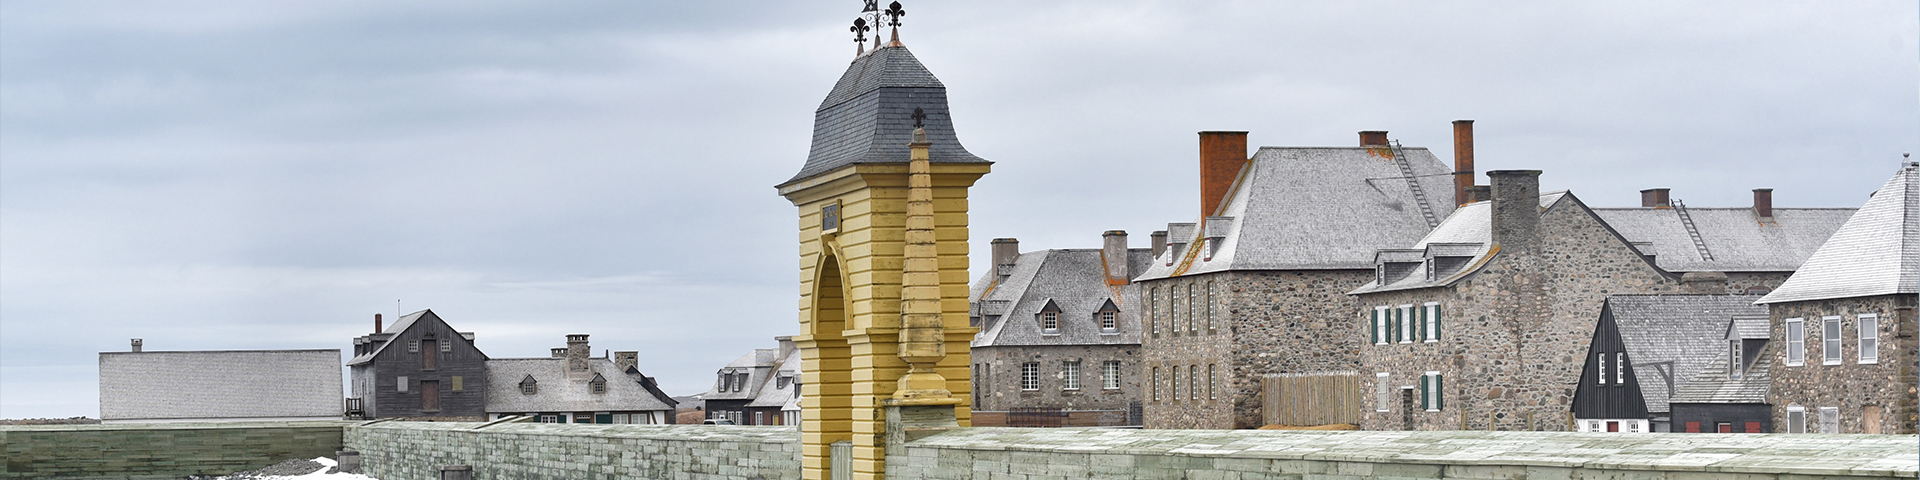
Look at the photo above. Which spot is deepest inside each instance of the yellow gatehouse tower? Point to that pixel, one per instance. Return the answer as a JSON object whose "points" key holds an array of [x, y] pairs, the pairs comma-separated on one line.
{"points": [[883, 264]]}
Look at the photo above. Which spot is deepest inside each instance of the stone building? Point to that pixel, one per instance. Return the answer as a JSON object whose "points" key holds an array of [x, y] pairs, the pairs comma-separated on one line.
{"points": [[1729, 395], [1647, 348], [219, 385], [1257, 285], [1844, 323], [739, 386], [1754, 248], [572, 386], [1059, 331], [1480, 324], [421, 368]]}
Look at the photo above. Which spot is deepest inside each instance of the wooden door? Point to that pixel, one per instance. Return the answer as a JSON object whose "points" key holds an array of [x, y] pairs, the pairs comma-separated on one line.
{"points": [[429, 355], [429, 395]]}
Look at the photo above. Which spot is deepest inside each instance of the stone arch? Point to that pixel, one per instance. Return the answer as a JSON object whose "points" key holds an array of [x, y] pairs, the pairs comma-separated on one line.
{"points": [[828, 397]]}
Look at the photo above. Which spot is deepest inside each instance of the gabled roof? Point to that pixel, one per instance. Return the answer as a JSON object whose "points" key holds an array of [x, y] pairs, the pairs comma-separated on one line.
{"points": [[1074, 280], [1318, 208], [1670, 338], [1748, 327], [1735, 237], [759, 366], [1470, 228], [1712, 385], [1877, 252], [404, 324], [776, 393], [558, 393], [868, 117]]}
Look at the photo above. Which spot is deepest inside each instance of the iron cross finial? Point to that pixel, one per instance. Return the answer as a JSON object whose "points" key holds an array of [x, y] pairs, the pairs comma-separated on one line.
{"points": [[919, 117]]}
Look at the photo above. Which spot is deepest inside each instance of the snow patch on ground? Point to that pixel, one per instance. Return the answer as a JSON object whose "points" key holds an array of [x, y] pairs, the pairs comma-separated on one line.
{"points": [[288, 470]]}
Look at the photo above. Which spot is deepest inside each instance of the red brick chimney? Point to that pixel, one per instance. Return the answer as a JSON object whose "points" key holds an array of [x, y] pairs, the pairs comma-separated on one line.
{"points": [[1373, 138], [376, 323], [1462, 161], [1763, 204], [1654, 198], [1222, 154]]}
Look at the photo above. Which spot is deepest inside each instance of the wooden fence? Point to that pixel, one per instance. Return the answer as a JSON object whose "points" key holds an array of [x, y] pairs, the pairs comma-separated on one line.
{"points": [[1305, 399]]}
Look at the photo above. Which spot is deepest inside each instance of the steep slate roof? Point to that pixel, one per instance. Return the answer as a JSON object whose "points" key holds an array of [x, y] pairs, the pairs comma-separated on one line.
{"points": [[1877, 252], [759, 366], [772, 393], [1073, 279], [867, 118], [1685, 332], [1713, 386], [1470, 226], [557, 393], [227, 384], [401, 326], [1734, 236], [1319, 208]]}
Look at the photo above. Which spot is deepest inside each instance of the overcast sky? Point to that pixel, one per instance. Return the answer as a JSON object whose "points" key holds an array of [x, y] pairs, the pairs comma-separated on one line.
{"points": [[268, 175]]}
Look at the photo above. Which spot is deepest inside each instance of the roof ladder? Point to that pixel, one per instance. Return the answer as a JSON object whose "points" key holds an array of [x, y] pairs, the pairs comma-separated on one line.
{"points": [[1687, 220], [1413, 183]]}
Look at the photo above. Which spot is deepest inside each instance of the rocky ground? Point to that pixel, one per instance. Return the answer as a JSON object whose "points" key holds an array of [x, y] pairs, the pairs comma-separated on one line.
{"points": [[321, 468]]}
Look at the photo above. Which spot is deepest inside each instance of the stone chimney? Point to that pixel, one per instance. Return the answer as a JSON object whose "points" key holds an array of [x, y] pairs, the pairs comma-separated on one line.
{"points": [[1654, 198], [1005, 252], [626, 361], [1222, 154], [136, 345], [559, 352], [577, 353], [786, 347], [1462, 161], [1516, 209], [376, 323], [1373, 138], [1704, 283], [1113, 249], [1479, 193], [1763, 204], [1159, 238]]}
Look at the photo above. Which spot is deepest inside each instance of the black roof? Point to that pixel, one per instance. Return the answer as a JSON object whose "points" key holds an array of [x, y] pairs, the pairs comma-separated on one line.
{"points": [[868, 117]]}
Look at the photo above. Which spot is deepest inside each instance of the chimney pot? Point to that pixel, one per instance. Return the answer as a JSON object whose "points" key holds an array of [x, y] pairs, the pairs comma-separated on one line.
{"points": [[1462, 161], [1373, 138], [559, 352], [1763, 204], [1159, 238], [1113, 248], [1516, 209], [1222, 155], [376, 323], [136, 344], [1654, 198], [577, 353]]}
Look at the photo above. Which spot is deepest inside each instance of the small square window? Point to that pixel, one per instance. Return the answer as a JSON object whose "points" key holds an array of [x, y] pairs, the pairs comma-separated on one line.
{"points": [[401, 383], [413, 346]]}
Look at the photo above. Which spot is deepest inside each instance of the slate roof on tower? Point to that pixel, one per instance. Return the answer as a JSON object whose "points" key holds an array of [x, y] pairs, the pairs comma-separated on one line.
{"points": [[868, 117], [1877, 252]]}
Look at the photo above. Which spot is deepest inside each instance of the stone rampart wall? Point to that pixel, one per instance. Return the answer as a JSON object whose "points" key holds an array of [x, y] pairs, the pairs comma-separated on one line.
{"points": [[417, 450], [1062, 453], [159, 450]]}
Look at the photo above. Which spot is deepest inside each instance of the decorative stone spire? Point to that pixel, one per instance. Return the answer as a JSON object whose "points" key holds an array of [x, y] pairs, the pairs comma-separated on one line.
{"points": [[922, 337]]}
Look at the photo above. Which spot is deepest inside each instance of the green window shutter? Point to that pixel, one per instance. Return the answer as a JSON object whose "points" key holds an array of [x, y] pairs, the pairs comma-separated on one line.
{"points": [[1426, 397], [1440, 388], [1373, 326], [1437, 320]]}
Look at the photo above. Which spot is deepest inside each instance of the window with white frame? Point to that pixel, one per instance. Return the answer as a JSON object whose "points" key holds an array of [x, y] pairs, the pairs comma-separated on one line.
{"points": [[1110, 375], [1600, 368], [1430, 392], [1153, 383], [1070, 376], [1383, 392], [1401, 322], [1734, 366], [1173, 309], [1213, 378], [1619, 368], [1432, 332], [1829, 419], [1209, 306], [1869, 325], [1030, 376], [1049, 322], [1796, 419], [1830, 341], [1109, 321], [1380, 330], [1193, 382], [1173, 381], [1153, 310], [1191, 300], [1796, 342]]}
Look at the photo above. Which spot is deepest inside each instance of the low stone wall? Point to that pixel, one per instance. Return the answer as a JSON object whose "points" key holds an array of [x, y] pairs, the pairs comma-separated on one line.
{"points": [[159, 450], [1061, 453], [505, 450]]}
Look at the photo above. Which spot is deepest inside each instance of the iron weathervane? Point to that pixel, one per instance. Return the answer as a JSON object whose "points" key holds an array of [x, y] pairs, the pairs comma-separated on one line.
{"points": [[919, 117]]}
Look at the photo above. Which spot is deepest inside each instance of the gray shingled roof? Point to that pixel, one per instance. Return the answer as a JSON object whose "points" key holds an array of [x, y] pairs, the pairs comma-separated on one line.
{"points": [[1671, 338], [229, 384], [1877, 252], [1736, 239], [772, 393], [759, 366], [1318, 208], [1073, 279], [401, 326], [1713, 386], [868, 117], [557, 393], [1470, 228]]}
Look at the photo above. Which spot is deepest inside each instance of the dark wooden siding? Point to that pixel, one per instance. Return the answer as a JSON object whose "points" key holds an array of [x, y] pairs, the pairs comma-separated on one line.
{"points": [[464, 360], [1613, 399], [1710, 414]]}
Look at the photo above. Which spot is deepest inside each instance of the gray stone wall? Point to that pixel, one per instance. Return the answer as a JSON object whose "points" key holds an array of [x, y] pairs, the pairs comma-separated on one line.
{"points": [[998, 386], [1264, 322], [1739, 282], [1513, 334], [1061, 453], [1854, 388], [160, 450], [541, 451]]}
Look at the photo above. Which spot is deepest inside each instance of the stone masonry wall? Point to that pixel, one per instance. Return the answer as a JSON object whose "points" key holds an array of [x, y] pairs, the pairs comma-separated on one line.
{"points": [[997, 377], [1854, 388], [159, 450], [543, 451], [1739, 282], [1061, 453]]}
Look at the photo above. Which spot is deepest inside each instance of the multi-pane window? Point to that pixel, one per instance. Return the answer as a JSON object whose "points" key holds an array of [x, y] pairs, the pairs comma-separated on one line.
{"points": [[1796, 419], [1382, 392], [1619, 368], [1190, 309], [1869, 338], [1432, 316], [1110, 375], [1153, 310], [1109, 321], [1050, 322], [1400, 321], [1030, 376], [1600, 371], [1830, 341], [1193, 382], [1829, 419], [1070, 376], [1430, 392], [1734, 366], [1173, 382], [1173, 308], [1796, 342], [1209, 306], [1380, 325], [1212, 379], [1154, 383]]}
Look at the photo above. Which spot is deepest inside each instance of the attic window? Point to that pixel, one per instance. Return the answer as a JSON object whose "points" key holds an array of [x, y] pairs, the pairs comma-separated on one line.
{"points": [[781, 383], [1734, 365], [1108, 322], [1050, 322], [598, 385], [529, 386]]}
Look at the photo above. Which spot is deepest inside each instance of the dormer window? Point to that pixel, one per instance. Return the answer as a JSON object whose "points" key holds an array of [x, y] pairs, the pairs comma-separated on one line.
{"points": [[528, 386], [1050, 322], [1735, 367], [1108, 322], [598, 385]]}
